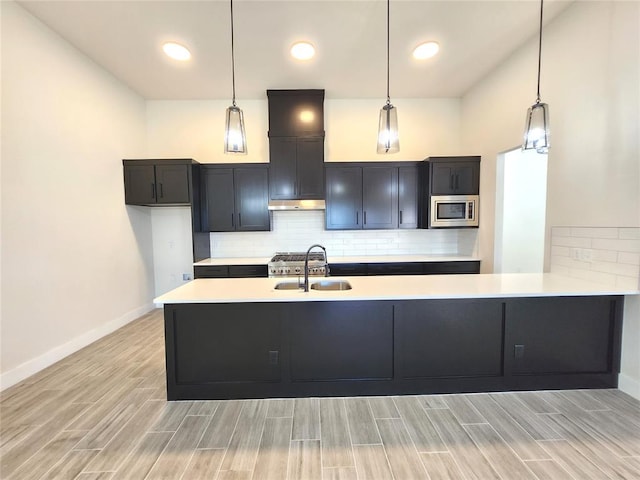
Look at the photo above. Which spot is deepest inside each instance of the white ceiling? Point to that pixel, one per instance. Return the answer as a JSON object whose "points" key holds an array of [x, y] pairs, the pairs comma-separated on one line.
{"points": [[125, 37]]}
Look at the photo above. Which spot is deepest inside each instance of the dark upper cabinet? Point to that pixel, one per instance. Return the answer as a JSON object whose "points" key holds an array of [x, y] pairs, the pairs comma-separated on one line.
{"points": [[296, 169], [295, 113], [296, 144], [366, 196], [157, 182], [454, 175], [344, 198], [235, 199], [408, 197], [379, 197]]}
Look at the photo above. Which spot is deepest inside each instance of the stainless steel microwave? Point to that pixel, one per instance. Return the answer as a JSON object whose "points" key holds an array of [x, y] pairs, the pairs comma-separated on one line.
{"points": [[454, 211]]}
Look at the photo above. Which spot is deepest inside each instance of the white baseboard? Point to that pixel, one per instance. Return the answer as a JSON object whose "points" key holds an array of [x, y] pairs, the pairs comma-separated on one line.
{"points": [[629, 385], [56, 354]]}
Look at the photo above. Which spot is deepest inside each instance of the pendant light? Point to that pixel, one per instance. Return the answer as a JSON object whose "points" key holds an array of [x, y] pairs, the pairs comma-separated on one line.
{"points": [[388, 140], [536, 131], [235, 140]]}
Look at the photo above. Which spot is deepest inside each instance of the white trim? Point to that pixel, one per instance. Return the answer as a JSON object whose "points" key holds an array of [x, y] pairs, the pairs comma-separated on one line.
{"points": [[629, 385], [30, 367]]}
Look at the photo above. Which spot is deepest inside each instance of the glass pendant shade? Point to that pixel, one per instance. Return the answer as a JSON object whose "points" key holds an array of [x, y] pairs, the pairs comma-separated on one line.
{"points": [[536, 132], [235, 140], [388, 139]]}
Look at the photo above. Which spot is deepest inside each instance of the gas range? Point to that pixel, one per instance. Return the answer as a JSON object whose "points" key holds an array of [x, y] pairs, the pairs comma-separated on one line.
{"points": [[291, 264]]}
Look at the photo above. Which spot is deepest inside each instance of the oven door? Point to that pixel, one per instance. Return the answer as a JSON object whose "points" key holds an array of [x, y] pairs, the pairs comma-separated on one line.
{"points": [[454, 211]]}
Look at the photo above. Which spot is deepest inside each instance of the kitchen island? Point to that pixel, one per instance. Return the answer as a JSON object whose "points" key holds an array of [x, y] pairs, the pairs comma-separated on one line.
{"points": [[243, 338]]}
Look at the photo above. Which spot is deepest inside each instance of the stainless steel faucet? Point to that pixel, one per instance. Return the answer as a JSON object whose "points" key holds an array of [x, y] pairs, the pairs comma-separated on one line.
{"points": [[306, 264]]}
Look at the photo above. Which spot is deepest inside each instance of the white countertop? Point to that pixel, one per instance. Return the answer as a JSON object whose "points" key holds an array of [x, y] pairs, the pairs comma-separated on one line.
{"points": [[409, 287], [345, 259]]}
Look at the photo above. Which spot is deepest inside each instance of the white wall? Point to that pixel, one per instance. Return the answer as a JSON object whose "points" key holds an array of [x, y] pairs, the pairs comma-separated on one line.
{"points": [[195, 129], [521, 195], [76, 263], [591, 81]]}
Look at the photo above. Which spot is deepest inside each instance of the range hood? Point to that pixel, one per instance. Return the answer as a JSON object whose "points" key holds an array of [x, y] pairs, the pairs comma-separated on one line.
{"points": [[297, 205]]}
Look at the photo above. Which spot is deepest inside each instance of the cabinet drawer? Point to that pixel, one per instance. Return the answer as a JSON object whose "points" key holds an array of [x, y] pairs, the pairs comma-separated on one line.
{"points": [[211, 271], [394, 269], [247, 271], [442, 268], [348, 269]]}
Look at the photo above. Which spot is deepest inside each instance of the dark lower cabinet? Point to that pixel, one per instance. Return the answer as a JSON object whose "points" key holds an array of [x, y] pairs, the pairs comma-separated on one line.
{"points": [[227, 344], [560, 335], [229, 271], [441, 338], [341, 341], [318, 348]]}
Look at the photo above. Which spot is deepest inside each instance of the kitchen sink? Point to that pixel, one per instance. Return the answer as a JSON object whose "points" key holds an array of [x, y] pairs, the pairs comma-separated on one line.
{"points": [[288, 286], [331, 285]]}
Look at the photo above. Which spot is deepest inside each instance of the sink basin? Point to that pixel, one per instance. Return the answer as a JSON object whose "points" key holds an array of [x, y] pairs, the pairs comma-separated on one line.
{"points": [[288, 286], [331, 285]]}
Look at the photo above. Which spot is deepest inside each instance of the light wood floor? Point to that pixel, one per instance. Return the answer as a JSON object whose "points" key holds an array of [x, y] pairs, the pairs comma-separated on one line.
{"points": [[101, 414]]}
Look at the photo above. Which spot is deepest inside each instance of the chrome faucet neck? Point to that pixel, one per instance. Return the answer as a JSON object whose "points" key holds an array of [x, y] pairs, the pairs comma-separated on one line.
{"points": [[306, 264]]}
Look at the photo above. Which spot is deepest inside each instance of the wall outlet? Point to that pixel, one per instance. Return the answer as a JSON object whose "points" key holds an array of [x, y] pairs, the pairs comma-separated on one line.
{"points": [[186, 277], [582, 254]]}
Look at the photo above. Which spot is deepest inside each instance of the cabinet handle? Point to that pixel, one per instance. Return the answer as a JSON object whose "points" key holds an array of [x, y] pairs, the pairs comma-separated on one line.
{"points": [[357, 218], [365, 218], [233, 220], [400, 217], [153, 190], [239, 220], [161, 191]]}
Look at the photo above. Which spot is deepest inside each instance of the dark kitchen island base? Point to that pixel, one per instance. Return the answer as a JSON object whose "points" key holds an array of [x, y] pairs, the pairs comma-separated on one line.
{"points": [[350, 348]]}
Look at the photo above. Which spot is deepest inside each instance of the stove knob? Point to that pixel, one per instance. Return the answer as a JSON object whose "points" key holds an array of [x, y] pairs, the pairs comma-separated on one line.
{"points": [[297, 269]]}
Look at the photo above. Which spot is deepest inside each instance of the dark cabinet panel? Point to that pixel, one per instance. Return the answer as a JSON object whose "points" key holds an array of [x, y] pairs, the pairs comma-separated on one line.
{"points": [[251, 198], [559, 335], [210, 271], [408, 197], [341, 341], [296, 112], [454, 175], [348, 269], [248, 271], [344, 198], [379, 197], [442, 268], [151, 182], [310, 167], [443, 338], [236, 198], [139, 184], [394, 269], [219, 200], [296, 169], [282, 168], [226, 343], [172, 183]]}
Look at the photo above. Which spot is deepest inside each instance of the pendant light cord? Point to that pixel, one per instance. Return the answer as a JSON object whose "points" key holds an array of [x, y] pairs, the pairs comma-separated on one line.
{"points": [[540, 49], [388, 97], [233, 61]]}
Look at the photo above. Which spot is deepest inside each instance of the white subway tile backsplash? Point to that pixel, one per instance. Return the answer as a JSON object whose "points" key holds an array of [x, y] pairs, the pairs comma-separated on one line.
{"points": [[607, 255], [296, 231]]}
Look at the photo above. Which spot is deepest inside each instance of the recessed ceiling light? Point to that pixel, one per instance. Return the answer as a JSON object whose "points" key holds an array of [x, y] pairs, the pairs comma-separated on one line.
{"points": [[176, 51], [426, 50], [302, 50]]}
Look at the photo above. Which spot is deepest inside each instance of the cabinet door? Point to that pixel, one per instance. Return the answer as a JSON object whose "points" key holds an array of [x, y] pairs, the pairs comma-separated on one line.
{"points": [[408, 197], [219, 210], [172, 183], [341, 341], [225, 343], [442, 179], [252, 199], [282, 168], [380, 197], [450, 338], [467, 178], [344, 198], [559, 335], [139, 185], [310, 168], [211, 271]]}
